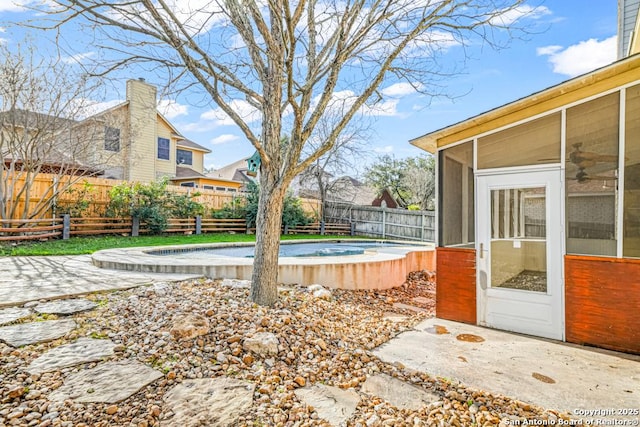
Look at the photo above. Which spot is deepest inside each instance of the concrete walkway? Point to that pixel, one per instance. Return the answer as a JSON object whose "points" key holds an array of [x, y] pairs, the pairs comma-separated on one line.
{"points": [[550, 374], [24, 279]]}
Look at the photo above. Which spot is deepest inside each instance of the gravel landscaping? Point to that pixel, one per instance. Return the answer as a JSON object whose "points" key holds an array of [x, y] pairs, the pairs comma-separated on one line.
{"points": [[195, 331]]}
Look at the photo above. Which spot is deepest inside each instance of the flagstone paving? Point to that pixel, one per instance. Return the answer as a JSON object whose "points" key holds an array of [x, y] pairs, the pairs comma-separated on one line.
{"points": [[398, 393], [332, 404], [109, 382], [212, 402], [84, 350], [12, 314], [65, 306], [35, 332]]}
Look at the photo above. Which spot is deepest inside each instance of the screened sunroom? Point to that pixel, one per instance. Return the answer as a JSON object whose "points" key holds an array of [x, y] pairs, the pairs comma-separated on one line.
{"points": [[539, 212]]}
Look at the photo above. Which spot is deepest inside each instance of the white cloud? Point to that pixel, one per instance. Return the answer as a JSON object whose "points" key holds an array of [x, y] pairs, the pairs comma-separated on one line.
{"points": [[582, 57], [78, 58], [510, 16], [384, 150], [548, 50], [223, 139], [13, 5], [246, 111], [171, 109], [401, 89]]}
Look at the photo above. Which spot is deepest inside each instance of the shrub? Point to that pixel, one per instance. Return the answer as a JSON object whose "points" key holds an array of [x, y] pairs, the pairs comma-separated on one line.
{"points": [[152, 203], [292, 213]]}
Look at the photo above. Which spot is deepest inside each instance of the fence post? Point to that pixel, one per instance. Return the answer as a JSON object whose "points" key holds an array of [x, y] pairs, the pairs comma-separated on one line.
{"points": [[135, 226], [384, 223], [322, 228], [422, 228], [198, 224], [353, 228], [66, 226], [286, 229]]}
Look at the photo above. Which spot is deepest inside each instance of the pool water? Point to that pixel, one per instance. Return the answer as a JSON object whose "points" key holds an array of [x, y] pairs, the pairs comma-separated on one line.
{"points": [[315, 249]]}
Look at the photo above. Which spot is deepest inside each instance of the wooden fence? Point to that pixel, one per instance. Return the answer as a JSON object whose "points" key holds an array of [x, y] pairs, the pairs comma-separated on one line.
{"points": [[383, 222], [97, 191], [66, 227]]}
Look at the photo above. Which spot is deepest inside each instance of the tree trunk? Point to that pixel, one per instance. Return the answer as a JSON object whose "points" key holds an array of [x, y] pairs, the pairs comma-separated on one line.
{"points": [[264, 288]]}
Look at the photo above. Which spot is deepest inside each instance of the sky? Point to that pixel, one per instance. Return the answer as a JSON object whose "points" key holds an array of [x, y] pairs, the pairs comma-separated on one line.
{"points": [[569, 38]]}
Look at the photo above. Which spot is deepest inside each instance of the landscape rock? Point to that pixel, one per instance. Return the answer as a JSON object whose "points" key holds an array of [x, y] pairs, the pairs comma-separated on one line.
{"points": [[84, 350], [36, 332], [332, 404], [65, 306], [320, 292], [109, 382], [161, 288], [11, 314], [262, 343], [214, 402], [189, 326], [399, 393], [236, 283]]}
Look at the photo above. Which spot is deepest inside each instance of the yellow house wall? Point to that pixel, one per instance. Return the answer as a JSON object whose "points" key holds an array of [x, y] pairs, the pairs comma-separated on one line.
{"points": [[143, 123], [198, 161], [165, 167]]}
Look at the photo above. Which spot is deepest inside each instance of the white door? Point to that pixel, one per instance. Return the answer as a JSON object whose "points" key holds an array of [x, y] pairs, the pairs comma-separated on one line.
{"points": [[519, 247]]}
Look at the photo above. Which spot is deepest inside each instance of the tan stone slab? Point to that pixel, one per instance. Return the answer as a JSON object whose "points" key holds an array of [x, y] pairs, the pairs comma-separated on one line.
{"points": [[214, 402], [109, 382], [35, 332]]}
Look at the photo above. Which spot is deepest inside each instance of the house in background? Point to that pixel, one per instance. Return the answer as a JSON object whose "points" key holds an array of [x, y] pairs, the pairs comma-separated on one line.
{"points": [[628, 27], [236, 174], [139, 143], [538, 211]]}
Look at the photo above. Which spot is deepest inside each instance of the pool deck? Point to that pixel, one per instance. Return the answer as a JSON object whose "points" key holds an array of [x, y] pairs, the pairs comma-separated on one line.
{"points": [[24, 279], [379, 268]]}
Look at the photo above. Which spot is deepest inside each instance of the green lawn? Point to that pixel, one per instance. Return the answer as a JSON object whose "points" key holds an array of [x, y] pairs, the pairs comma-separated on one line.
{"points": [[87, 245]]}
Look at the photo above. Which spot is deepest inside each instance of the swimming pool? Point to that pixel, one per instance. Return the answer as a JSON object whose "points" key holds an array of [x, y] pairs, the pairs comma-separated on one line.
{"points": [[376, 266]]}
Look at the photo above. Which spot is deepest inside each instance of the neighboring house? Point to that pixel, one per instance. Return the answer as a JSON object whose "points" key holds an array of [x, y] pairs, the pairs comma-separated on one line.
{"points": [[42, 143], [236, 172], [139, 143], [539, 212], [628, 27], [131, 141], [386, 200]]}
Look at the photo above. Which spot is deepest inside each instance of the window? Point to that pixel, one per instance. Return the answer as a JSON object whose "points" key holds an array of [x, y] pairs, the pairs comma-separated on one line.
{"points": [[188, 184], [111, 139], [164, 149], [591, 176], [184, 157], [456, 207], [631, 240], [208, 187]]}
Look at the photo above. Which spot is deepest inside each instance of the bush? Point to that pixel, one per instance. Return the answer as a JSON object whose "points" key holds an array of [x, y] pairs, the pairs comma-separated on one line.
{"points": [[77, 203], [152, 203], [236, 209], [292, 213]]}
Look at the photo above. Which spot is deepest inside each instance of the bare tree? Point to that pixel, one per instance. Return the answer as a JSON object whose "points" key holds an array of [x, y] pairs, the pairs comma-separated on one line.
{"points": [[345, 158], [39, 100], [288, 61]]}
